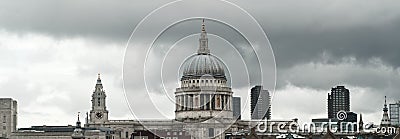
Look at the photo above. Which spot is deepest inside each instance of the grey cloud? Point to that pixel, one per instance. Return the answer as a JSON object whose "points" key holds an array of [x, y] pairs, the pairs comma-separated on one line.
{"points": [[298, 32], [314, 43], [103, 20], [322, 75]]}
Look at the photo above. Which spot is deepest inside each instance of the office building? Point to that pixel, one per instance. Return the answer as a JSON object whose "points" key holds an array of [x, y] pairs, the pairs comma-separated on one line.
{"points": [[338, 100], [236, 108], [394, 113], [260, 103]]}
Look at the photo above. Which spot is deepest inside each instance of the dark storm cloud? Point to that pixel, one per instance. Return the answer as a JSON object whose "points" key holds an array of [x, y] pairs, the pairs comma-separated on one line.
{"points": [[363, 42], [298, 32], [103, 19], [315, 36], [302, 31]]}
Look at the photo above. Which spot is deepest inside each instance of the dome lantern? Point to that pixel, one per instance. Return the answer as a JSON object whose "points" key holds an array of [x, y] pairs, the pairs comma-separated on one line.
{"points": [[203, 48]]}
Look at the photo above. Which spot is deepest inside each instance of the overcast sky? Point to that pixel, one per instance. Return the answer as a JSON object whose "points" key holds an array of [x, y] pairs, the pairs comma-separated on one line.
{"points": [[51, 52]]}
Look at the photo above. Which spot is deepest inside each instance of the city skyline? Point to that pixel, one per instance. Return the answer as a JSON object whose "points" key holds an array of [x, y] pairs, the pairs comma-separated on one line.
{"points": [[99, 118], [52, 59], [98, 82]]}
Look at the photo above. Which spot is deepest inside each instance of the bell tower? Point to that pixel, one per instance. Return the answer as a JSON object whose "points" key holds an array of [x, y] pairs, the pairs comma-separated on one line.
{"points": [[99, 112]]}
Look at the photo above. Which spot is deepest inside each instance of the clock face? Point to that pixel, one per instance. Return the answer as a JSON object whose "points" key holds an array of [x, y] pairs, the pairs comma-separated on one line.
{"points": [[99, 115]]}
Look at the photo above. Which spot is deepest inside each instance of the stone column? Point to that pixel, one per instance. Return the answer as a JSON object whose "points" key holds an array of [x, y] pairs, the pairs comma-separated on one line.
{"points": [[177, 103]]}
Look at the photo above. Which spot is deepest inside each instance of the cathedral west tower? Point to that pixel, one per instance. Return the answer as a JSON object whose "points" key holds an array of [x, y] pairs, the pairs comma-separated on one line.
{"points": [[99, 112]]}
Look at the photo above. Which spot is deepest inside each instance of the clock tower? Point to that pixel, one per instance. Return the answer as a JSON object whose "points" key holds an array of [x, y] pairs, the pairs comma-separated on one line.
{"points": [[99, 113]]}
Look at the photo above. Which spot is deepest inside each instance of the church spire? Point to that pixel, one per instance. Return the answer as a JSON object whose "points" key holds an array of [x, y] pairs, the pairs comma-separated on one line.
{"points": [[98, 79], [385, 119], [78, 132], [203, 27], [203, 48], [78, 123], [361, 124], [99, 85], [385, 109]]}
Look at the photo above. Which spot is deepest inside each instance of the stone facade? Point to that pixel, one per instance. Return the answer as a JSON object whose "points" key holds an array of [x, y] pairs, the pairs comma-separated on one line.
{"points": [[8, 117], [98, 113]]}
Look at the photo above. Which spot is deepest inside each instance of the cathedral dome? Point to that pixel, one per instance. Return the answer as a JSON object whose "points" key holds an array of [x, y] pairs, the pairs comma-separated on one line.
{"points": [[199, 65], [203, 63], [204, 92]]}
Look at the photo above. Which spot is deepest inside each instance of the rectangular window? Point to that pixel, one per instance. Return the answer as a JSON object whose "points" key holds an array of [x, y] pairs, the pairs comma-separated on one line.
{"points": [[186, 102], [191, 101], [211, 132], [202, 101], [4, 119], [207, 102], [126, 135], [223, 102], [213, 103]]}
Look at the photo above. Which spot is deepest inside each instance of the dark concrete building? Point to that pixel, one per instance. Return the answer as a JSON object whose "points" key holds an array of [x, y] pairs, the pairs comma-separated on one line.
{"points": [[350, 123], [236, 108], [338, 100], [260, 106]]}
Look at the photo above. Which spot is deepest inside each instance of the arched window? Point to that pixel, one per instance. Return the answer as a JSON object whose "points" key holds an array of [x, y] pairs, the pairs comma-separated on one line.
{"points": [[98, 101]]}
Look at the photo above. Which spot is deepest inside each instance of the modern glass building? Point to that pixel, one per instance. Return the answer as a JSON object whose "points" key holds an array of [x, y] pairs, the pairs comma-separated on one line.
{"points": [[260, 103]]}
